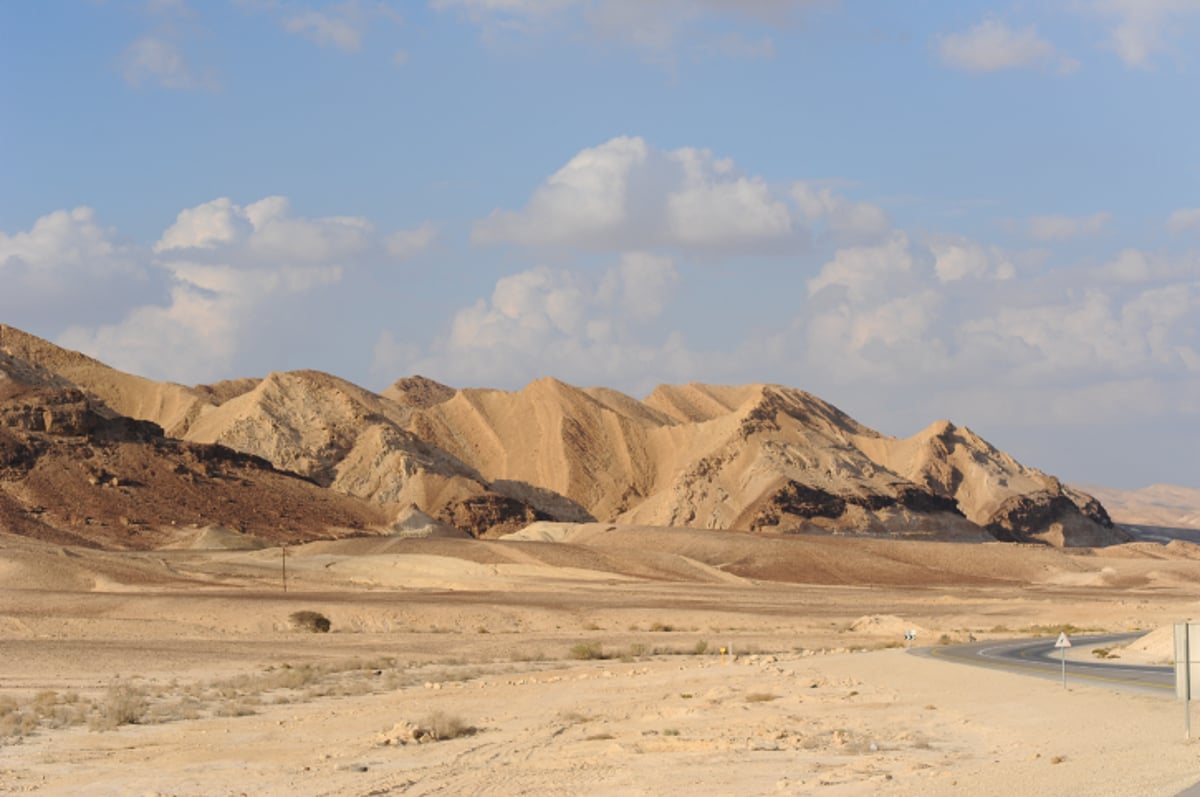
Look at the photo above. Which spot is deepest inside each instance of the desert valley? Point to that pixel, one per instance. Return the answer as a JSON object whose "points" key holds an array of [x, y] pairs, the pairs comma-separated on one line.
{"points": [[294, 585]]}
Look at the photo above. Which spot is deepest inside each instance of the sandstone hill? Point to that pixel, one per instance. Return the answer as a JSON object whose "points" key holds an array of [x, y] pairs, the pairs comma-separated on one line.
{"points": [[73, 472], [760, 458]]}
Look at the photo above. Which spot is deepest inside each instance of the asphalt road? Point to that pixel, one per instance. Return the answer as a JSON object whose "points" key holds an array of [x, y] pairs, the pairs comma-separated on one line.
{"points": [[1039, 658]]}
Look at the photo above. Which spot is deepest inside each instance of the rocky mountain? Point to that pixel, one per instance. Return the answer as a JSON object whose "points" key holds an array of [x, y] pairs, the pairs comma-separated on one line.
{"points": [[74, 472], [762, 458]]}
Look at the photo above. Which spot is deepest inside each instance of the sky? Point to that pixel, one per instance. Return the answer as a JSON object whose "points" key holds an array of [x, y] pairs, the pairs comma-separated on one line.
{"points": [[981, 211]]}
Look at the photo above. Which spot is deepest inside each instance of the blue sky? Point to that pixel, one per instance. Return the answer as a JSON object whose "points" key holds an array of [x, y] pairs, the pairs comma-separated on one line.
{"points": [[988, 212]]}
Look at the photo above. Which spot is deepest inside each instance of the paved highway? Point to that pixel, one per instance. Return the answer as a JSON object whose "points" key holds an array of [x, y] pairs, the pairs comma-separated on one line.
{"points": [[1039, 658]]}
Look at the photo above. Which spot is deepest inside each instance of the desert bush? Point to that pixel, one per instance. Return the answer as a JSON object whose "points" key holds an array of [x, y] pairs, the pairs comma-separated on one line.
{"points": [[123, 704], [700, 648], [440, 726], [587, 650], [761, 697], [662, 627], [307, 620]]}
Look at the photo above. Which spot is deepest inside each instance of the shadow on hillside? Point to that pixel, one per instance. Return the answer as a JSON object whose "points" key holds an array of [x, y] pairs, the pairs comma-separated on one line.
{"points": [[557, 506]]}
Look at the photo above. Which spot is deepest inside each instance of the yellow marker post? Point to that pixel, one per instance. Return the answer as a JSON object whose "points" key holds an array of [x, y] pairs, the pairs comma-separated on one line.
{"points": [[722, 655]]}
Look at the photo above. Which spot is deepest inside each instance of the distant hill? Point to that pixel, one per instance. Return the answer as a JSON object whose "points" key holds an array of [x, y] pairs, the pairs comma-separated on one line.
{"points": [[762, 458], [1164, 510]]}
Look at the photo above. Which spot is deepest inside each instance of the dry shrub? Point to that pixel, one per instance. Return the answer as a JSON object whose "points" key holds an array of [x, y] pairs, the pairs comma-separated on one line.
{"points": [[440, 726], [585, 651], [761, 697], [123, 704], [307, 620]]}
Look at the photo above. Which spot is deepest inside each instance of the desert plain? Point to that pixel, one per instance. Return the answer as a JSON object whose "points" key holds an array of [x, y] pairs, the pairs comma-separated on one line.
{"points": [[293, 585], [570, 660]]}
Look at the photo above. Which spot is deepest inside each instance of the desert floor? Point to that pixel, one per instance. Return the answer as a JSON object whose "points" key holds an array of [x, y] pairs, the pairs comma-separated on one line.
{"points": [[567, 669]]}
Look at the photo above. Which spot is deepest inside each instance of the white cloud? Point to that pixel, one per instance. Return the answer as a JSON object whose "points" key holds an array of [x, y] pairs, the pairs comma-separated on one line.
{"points": [[67, 267], [199, 334], [343, 26], [158, 60], [231, 269], [1134, 265], [1184, 220], [1062, 228], [341, 30], [203, 227], [406, 243], [992, 46], [715, 207], [847, 220], [865, 271], [1141, 27], [626, 195], [267, 229], [958, 258], [655, 28], [554, 322], [1099, 332]]}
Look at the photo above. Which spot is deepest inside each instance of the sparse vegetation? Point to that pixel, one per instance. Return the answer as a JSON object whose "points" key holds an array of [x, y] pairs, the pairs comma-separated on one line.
{"points": [[123, 704], [761, 697], [585, 651], [308, 620], [1054, 630], [440, 726]]}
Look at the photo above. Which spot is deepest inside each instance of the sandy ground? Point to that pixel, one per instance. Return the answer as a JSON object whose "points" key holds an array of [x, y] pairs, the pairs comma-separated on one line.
{"points": [[814, 696]]}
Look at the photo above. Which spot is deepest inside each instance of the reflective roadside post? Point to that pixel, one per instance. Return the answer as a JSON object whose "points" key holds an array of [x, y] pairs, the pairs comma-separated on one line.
{"points": [[1062, 644], [1184, 666]]}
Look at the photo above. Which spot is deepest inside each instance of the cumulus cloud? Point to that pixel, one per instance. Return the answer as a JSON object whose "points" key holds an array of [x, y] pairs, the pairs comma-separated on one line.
{"points": [[992, 46], [198, 335], [1063, 228], [654, 28], [1141, 28], [956, 312], [848, 221], [1100, 332], [624, 194], [406, 243], [230, 269], [67, 266], [554, 322], [157, 60], [959, 258], [267, 230], [342, 26], [1184, 220], [865, 271], [343, 31]]}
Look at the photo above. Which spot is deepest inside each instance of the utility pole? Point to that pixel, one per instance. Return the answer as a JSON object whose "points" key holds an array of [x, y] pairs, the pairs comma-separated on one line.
{"points": [[283, 563]]}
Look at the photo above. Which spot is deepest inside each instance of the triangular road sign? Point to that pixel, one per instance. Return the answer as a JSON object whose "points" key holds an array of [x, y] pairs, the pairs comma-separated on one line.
{"points": [[1062, 642]]}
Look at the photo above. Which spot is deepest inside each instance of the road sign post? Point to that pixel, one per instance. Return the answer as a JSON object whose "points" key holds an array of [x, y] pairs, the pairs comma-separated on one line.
{"points": [[1062, 644], [1186, 670]]}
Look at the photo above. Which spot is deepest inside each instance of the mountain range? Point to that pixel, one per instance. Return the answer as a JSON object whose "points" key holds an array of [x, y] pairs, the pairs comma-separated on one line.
{"points": [[92, 455]]}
